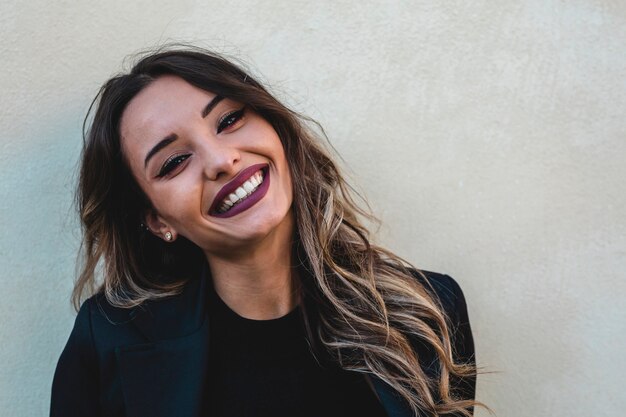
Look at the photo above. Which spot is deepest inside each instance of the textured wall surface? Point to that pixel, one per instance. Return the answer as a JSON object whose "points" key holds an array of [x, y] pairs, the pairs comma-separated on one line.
{"points": [[490, 138]]}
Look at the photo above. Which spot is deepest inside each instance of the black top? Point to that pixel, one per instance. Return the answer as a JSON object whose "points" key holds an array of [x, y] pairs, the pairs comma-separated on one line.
{"points": [[153, 360], [261, 368]]}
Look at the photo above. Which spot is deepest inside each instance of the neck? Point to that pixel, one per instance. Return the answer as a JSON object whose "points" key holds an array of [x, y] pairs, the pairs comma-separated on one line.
{"points": [[260, 282]]}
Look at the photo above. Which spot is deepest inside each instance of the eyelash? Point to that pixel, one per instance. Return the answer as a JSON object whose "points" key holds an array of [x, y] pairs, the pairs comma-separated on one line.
{"points": [[170, 164], [230, 119], [224, 123]]}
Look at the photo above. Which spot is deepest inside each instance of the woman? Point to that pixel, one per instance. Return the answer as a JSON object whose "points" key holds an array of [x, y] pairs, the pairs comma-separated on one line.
{"points": [[237, 276]]}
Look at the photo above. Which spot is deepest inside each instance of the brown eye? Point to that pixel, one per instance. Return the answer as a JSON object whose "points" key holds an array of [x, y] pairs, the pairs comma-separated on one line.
{"points": [[171, 164], [230, 119]]}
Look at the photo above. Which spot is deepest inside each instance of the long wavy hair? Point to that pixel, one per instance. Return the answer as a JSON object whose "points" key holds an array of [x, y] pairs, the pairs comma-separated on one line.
{"points": [[364, 306]]}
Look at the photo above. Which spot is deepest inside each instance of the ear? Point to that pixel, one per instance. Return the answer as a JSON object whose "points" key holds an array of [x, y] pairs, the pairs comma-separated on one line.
{"points": [[158, 226]]}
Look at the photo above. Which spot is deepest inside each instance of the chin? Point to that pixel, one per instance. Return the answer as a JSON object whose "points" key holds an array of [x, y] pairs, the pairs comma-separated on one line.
{"points": [[275, 222], [271, 223]]}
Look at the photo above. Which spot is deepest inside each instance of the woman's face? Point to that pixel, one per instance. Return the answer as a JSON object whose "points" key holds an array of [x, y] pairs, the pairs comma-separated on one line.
{"points": [[214, 170]]}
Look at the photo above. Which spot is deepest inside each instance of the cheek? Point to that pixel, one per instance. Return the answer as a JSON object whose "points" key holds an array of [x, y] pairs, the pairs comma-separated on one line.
{"points": [[288, 180], [177, 203], [286, 168]]}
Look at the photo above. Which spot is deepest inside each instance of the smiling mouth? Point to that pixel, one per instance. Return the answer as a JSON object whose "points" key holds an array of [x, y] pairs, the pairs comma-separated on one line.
{"points": [[241, 193]]}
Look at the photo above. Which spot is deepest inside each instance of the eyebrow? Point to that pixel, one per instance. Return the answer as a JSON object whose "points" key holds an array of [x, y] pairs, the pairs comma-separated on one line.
{"points": [[162, 144], [172, 137], [211, 105]]}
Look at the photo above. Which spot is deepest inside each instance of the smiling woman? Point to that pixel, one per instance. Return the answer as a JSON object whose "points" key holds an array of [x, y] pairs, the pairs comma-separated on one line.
{"points": [[237, 276], [200, 179]]}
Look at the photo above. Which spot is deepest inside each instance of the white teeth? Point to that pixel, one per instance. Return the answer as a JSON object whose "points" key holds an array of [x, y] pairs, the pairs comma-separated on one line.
{"points": [[242, 192], [248, 186]]}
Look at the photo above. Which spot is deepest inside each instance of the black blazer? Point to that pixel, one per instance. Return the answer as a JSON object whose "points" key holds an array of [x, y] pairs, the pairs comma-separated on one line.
{"points": [[150, 361]]}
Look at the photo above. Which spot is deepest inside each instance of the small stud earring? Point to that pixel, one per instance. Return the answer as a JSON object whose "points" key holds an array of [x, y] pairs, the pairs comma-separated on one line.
{"points": [[168, 236]]}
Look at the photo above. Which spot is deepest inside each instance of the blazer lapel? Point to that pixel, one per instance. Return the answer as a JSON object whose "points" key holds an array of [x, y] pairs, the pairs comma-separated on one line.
{"points": [[166, 375], [166, 378]]}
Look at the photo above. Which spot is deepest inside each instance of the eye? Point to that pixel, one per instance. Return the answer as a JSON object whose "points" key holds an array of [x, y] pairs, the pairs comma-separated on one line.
{"points": [[171, 164], [230, 119]]}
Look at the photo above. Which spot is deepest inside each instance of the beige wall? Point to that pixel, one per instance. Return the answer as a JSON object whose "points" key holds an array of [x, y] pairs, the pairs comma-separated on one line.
{"points": [[488, 136]]}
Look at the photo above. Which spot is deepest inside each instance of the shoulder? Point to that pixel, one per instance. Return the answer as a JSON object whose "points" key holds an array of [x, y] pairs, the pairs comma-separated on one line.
{"points": [[448, 293], [153, 320], [99, 328], [102, 313], [96, 325], [98, 306], [445, 290], [81, 337]]}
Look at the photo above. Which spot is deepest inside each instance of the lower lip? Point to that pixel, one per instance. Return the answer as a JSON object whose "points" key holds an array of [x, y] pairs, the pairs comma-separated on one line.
{"points": [[251, 200]]}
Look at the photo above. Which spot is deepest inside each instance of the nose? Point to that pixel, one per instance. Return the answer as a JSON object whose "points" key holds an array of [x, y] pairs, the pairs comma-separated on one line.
{"points": [[221, 160]]}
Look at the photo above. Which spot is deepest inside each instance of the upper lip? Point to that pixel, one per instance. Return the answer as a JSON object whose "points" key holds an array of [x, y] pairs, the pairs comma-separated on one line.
{"points": [[233, 184]]}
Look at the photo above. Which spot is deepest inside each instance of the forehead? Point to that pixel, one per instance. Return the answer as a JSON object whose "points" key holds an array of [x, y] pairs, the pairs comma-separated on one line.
{"points": [[161, 104]]}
